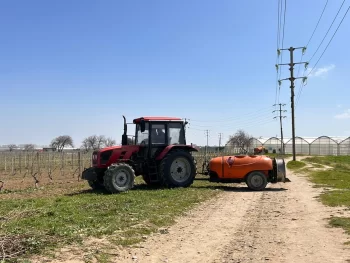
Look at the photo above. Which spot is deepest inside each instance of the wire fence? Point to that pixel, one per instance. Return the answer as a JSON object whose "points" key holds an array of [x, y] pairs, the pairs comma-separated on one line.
{"points": [[32, 168], [25, 169]]}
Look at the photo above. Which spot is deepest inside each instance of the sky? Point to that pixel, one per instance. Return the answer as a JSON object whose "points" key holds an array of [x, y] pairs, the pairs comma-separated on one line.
{"points": [[76, 67]]}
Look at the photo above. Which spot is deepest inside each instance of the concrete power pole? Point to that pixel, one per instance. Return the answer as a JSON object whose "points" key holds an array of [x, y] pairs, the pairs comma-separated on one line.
{"points": [[281, 117], [220, 136], [291, 64], [206, 147]]}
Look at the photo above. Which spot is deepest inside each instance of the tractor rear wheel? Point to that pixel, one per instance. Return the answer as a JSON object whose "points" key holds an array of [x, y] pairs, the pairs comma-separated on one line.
{"points": [[119, 178], [256, 181], [177, 169]]}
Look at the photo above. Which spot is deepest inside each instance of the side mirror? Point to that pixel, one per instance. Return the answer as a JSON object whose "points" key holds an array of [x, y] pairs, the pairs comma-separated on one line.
{"points": [[142, 125], [124, 139]]}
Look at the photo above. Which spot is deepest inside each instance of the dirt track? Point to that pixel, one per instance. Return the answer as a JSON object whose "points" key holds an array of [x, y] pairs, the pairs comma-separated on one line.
{"points": [[285, 223]]}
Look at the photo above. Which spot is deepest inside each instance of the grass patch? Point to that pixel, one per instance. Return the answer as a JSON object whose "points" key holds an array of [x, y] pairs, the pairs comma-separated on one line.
{"points": [[341, 222], [295, 165], [339, 179], [52, 221], [339, 162], [336, 198]]}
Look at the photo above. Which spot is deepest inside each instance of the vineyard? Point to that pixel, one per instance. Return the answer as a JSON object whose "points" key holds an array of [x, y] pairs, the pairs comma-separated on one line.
{"points": [[22, 170]]}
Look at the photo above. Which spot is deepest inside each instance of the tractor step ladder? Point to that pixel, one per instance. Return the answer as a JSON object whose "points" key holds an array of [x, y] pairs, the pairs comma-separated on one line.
{"points": [[152, 171]]}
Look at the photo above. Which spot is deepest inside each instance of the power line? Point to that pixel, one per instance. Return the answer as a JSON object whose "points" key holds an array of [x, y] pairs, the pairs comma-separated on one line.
{"points": [[324, 8], [314, 67], [329, 41], [284, 24], [327, 31], [240, 116], [239, 123], [319, 19], [278, 43]]}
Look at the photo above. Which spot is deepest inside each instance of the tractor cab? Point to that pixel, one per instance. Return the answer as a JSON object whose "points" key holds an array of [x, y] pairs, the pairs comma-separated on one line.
{"points": [[154, 134]]}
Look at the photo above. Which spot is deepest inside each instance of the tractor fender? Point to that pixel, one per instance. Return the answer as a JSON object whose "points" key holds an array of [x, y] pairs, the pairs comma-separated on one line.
{"points": [[176, 146]]}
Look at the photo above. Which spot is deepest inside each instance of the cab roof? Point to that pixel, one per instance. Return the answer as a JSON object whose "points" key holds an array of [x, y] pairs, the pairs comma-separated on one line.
{"points": [[157, 119]]}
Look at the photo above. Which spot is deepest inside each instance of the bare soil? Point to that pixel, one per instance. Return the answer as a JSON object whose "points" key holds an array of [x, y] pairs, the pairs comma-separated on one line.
{"points": [[284, 223]]}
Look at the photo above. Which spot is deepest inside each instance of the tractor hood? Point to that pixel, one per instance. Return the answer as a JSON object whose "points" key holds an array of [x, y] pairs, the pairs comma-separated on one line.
{"points": [[109, 148], [104, 157]]}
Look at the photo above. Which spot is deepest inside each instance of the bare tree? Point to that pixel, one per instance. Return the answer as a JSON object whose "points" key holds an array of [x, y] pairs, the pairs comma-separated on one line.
{"points": [[62, 141], [29, 147], [241, 140], [96, 142], [12, 147], [109, 142], [100, 141]]}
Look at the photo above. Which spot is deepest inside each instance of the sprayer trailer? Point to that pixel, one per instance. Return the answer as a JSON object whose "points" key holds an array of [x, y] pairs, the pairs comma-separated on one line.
{"points": [[255, 170]]}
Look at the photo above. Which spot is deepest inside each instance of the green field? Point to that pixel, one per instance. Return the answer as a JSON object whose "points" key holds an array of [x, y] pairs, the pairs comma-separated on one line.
{"points": [[37, 224], [337, 177]]}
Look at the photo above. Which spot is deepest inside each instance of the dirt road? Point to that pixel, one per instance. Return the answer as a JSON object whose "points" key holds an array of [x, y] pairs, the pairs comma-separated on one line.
{"points": [[285, 223]]}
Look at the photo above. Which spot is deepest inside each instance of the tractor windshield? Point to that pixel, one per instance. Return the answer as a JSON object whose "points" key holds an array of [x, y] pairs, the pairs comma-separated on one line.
{"points": [[141, 137], [176, 133]]}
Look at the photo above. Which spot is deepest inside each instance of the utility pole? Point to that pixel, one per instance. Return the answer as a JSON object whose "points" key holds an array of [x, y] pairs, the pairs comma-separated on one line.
{"points": [[206, 147], [220, 135], [291, 64], [280, 116]]}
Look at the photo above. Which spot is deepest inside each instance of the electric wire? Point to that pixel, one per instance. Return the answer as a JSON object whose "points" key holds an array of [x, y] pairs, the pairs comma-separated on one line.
{"points": [[278, 44], [283, 30], [327, 31], [302, 54], [314, 67]]}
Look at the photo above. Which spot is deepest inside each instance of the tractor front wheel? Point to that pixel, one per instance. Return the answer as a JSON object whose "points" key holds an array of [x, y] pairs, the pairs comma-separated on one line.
{"points": [[256, 181], [177, 169], [119, 178]]}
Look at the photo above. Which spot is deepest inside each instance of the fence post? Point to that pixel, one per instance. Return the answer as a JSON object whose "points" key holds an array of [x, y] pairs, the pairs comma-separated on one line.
{"points": [[5, 164], [79, 165], [20, 162], [12, 164], [38, 160]]}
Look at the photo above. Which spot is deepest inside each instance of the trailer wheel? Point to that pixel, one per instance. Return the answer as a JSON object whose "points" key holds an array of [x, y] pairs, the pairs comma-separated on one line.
{"points": [[177, 169], [119, 178], [256, 181]]}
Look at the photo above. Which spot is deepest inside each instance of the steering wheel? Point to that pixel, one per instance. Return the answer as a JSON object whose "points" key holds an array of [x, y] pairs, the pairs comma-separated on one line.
{"points": [[143, 142]]}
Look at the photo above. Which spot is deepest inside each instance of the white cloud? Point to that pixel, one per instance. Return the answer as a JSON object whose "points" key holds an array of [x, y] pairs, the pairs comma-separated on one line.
{"points": [[344, 115], [339, 106], [320, 72]]}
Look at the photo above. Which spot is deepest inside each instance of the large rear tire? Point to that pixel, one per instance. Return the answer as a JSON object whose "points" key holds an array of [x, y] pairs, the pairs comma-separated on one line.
{"points": [[119, 178], [177, 169], [256, 181]]}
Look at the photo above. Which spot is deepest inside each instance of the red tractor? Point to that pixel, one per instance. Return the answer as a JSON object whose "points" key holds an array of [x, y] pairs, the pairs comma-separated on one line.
{"points": [[158, 152]]}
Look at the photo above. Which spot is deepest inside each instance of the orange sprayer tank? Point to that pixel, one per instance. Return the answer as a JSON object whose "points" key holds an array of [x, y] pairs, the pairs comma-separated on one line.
{"points": [[252, 169]]}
